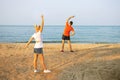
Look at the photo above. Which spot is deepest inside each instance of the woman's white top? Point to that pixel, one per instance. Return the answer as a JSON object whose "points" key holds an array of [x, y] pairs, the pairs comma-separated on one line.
{"points": [[38, 38]]}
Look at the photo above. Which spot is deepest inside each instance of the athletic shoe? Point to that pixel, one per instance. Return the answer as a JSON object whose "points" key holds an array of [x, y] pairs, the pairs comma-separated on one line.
{"points": [[47, 71], [71, 51], [36, 70]]}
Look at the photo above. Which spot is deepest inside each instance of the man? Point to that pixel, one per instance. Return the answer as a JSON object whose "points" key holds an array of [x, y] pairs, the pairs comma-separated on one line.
{"points": [[66, 34]]}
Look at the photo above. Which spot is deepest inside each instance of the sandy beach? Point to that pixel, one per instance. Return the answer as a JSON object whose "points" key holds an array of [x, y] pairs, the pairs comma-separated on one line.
{"points": [[87, 62]]}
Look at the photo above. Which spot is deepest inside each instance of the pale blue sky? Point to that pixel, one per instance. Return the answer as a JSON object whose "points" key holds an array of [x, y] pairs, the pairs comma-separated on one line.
{"points": [[86, 12]]}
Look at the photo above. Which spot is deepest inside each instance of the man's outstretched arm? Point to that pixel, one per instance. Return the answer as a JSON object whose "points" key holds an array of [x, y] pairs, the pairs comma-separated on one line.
{"points": [[69, 18]]}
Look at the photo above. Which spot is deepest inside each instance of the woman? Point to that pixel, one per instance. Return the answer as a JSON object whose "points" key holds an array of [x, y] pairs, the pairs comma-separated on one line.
{"points": [[38, 48]]}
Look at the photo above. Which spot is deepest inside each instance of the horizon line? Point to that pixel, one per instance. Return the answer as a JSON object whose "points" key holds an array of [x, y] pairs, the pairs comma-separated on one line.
{"points": [[58, 25]]}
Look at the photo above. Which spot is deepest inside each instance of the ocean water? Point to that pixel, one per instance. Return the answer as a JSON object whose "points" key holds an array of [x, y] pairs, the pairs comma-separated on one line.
{"points": [[53, 34]]}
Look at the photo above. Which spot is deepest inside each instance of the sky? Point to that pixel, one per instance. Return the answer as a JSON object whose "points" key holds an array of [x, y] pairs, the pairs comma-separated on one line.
{"points": [[86, 12]]}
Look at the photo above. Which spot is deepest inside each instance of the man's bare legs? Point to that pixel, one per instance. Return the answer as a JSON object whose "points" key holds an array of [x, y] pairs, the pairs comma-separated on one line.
{"points": [[69, 43], [63, 41]]}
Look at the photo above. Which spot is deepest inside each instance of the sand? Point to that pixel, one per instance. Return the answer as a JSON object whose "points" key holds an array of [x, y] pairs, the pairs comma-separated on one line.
{"points": [[87, 62]]}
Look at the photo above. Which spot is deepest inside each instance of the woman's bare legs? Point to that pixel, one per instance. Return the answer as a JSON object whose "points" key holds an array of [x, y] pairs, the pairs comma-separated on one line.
{"points": [[35, 61], [41, 57]]}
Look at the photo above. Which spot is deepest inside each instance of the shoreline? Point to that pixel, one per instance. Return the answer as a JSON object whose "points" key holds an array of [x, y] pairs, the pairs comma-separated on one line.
{"points": [[59, 42]]}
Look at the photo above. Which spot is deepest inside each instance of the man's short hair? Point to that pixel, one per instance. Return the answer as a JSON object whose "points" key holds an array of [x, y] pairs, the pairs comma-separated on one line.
{"points": [[71, 22]]}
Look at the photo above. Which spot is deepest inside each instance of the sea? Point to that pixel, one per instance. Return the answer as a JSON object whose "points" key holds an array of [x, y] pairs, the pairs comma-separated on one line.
{"points": [[53, 33]]}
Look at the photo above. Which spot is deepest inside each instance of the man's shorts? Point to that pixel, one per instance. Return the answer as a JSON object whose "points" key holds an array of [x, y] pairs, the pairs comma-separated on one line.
{"points": [[65, 37], [38, 50]]}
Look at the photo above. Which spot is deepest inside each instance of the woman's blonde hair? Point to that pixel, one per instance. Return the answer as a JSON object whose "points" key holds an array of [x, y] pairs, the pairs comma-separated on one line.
{"points": [[37, 28]]}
